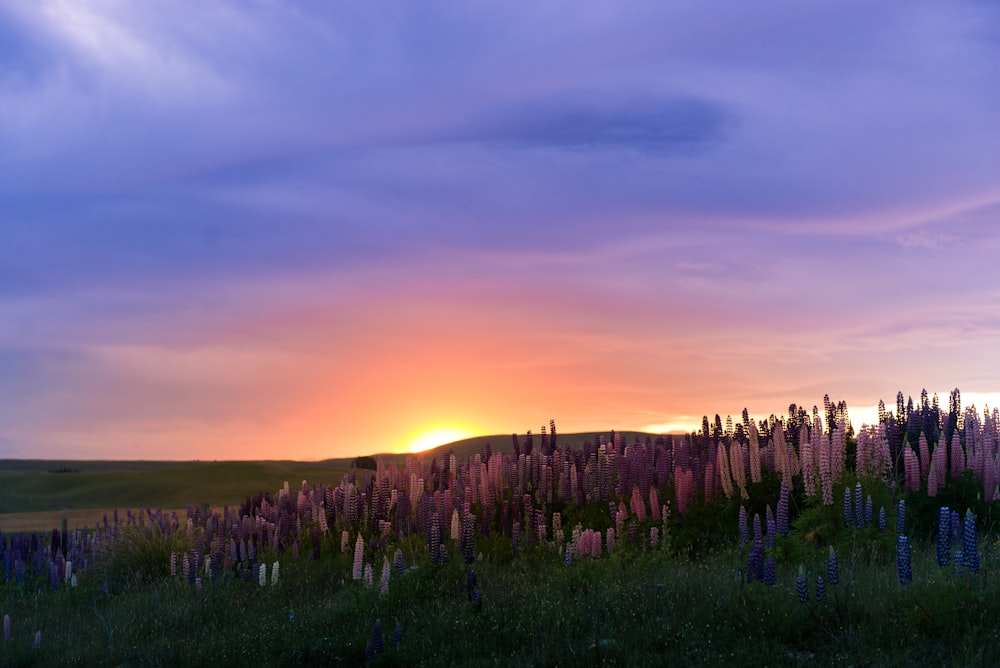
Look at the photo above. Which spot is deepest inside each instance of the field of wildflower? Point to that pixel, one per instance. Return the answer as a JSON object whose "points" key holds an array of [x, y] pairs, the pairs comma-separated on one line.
{"points": [[788, 541]]}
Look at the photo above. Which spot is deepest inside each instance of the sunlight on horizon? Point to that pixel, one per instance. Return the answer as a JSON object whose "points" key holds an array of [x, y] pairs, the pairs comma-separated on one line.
{"points": [[428, 437]]}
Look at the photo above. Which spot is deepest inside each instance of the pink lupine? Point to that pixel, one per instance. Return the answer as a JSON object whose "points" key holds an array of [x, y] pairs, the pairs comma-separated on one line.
{"points": [[173, 564], [932, 481], [925, 458], [736, 465], [957, 457], [638, 504], [359, 557], [345, 540], [755, 475], [654, 504], [595, 545], [911, 468], [724, 473], [654, 537], [610, 539], [825, 474]]}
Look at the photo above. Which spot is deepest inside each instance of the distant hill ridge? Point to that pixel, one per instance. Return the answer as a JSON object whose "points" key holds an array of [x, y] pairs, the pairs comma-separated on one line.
{"points": [[468, 447]]}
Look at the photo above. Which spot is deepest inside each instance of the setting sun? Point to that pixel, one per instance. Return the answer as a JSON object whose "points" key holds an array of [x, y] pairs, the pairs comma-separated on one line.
{"points": [[432, 436]]}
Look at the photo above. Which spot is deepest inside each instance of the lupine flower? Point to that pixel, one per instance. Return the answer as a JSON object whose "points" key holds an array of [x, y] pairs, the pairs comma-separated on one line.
{"points": [[772, 528], [901, 517], [173, 564], [883, 521], [801, 585], [782, 512], [832, 568], [369, 576], [345, 540], [569, 555], [397, 561], [859, 506], [869, 511], [755, 561], [959, 561], [848, 515], [38, 640], [769, 567], [378, 643], [654, 537], [944, 536], [359, 558], [477, 600], [6, 627], [903, 569], [610, 539], [262, 575], [970, 550], [820, 588], [386, 574], [744, 529], [197, 586], [274, 573]]}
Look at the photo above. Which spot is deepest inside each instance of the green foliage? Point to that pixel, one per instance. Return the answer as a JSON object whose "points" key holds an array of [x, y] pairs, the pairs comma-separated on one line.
{"points": [[142, 554], [960, 495]]}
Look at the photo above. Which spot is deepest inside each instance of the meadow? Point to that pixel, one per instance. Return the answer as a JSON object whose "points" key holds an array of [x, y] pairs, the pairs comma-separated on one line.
{"points": [[796, 547]]}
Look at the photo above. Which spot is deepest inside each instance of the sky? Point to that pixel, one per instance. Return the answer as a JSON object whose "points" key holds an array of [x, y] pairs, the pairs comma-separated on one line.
{"points": [[302, 230]]}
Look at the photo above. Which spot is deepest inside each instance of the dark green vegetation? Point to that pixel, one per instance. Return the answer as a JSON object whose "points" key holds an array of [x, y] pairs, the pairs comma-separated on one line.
{"points": [[637, 607]]}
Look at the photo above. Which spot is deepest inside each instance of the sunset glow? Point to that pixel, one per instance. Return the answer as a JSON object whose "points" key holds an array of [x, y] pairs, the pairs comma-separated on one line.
{"points": [[276, 230], [432, 437]]}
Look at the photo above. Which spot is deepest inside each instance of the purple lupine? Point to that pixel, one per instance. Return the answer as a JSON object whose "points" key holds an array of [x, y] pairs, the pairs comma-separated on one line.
{"points": [[38, 640], [820, 588], [755, 562], [944, 536], [569, 554], [782, 511], [970, 550], [869, 511], [832, 568], [859, 506], [6, 627], [769, 567], [903, 570], [848, 515], [901, 517], [772, 528], [801, 585], [744, 530], [397, 561], [883, 521]]}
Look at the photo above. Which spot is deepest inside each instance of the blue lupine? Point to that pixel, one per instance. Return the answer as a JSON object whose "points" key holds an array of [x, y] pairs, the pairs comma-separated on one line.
{"points": [[859, 506], [944, 536], [769, 567], [832, 568], [757, 532], [970, 550], [883, 521], [901, 517], [755, 561], [801, 585], [848, 514], [869, 511], [782, 511], [772, 529], [820, 588], [903, 570], [744, 530]]}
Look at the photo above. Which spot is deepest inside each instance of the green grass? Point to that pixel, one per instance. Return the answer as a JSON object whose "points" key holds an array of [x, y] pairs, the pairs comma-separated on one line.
{"points": [[31, 486], [632, 608]]}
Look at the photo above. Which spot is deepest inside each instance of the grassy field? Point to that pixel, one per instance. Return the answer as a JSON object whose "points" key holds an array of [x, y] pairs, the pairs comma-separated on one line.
{"points": [[37, 494]]}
